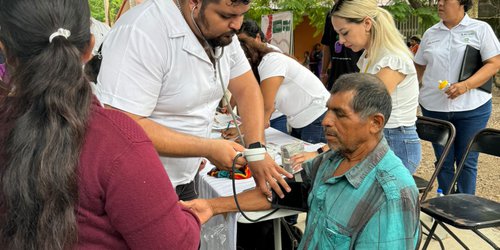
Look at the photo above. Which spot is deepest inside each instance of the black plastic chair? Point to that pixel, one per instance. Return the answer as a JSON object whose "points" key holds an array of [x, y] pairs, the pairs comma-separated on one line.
{"points": [[467, 211], [438, 132]]}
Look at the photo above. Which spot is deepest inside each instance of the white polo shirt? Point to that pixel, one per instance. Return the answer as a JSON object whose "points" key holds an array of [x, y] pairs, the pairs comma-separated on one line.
{"points": [[276, 112], [99, 30], [302, 97], [442, 51], [154, 66]]}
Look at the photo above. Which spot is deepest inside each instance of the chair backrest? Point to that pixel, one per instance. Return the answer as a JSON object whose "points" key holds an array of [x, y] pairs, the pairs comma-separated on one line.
{"points": [[486, 141], [438, 132]]}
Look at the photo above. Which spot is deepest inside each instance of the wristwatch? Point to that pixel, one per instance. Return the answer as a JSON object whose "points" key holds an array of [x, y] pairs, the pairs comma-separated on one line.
{"points": [[257, 145], [320, 150]]}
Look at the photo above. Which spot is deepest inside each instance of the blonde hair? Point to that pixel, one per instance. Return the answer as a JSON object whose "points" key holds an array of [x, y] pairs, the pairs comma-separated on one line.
{"points": [[384, 33]]}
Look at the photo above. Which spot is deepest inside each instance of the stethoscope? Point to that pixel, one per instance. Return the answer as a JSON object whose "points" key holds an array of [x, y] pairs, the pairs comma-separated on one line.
{"points": [[219, 72], [233, 116]]}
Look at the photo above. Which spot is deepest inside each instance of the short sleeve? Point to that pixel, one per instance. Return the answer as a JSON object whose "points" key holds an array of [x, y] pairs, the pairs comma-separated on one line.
{"points": [[490, 46], [419, 56], [397, 63], [239, 62], [272, 65], [131, 74]]}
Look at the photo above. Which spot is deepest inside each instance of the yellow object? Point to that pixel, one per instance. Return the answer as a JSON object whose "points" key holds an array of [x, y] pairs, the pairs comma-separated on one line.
{"points": [[443, 84]]}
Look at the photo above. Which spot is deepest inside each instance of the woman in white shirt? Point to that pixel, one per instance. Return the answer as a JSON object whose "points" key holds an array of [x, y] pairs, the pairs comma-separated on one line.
{"points": [[440, 57], [289, 87], [361, 24]]}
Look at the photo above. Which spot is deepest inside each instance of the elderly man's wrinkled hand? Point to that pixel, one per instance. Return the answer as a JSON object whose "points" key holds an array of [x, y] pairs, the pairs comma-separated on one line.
{"points": [[298, 159]]}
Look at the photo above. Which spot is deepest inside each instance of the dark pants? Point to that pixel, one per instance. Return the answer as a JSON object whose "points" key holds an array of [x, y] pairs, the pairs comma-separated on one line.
{"points": [[467, 124], [279, 123], [312, 133], [189, 191]]}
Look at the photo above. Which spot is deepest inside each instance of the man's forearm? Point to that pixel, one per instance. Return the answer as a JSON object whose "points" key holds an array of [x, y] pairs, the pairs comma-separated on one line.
{"points": [[169, 142], [252, 200]]}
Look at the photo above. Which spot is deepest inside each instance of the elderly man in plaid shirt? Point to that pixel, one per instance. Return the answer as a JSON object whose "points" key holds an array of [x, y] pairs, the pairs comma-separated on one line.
{"points": [[362, 196]]}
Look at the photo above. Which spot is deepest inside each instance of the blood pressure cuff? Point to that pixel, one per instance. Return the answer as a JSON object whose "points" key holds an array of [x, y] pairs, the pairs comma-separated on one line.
{"points": [[297, 198], [301, 185]]}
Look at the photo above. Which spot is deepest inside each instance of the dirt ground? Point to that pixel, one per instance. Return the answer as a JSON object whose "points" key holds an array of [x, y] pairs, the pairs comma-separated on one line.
{"points": [[488, 177]]}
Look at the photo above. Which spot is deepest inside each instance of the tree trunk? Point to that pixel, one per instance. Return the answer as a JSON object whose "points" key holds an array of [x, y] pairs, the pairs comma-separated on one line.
{"points": [[106, 12], [473, 12], [415, 4]]}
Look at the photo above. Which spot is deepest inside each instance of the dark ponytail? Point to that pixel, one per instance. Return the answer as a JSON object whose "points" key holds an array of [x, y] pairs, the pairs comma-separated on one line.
{"points": [[43, 120]]}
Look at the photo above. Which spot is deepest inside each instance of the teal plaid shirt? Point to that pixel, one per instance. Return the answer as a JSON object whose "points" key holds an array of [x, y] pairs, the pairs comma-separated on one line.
{"points": [[374, 205]]}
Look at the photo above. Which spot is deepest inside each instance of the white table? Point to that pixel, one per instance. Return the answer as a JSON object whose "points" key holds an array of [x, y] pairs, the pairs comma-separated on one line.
{"points": [[220, 231]]}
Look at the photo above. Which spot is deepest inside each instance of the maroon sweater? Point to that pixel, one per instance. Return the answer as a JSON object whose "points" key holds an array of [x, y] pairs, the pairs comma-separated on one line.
{"points": [[126, 199]]}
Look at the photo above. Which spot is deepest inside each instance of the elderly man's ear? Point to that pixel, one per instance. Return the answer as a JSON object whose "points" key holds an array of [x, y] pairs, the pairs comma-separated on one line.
{"points": [[377, 123]]}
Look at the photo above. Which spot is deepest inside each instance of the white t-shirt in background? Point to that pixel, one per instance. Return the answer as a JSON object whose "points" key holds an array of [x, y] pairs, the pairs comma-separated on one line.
{"points": [[405, 96], [302, 97]]}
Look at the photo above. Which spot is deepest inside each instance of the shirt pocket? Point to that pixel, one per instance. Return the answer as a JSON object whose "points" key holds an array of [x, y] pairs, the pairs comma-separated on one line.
{"points": [[334, 237]]}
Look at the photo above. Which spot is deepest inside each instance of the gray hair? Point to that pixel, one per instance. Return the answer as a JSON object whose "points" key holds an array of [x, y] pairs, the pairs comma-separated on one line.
{"points": [[370, 94]]}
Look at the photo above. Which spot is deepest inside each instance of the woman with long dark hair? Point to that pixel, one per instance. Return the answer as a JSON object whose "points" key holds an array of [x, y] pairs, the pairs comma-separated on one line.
{"points": [[74, 175]]}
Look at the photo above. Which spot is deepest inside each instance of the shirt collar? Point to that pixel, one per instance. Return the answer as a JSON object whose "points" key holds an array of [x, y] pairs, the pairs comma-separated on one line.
{"points": [[356, 175], [465, 21]]}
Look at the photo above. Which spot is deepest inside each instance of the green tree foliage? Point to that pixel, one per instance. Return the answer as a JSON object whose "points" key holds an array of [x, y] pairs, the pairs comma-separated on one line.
{"points": [[427, 14], [97, 9], [317, 10]]}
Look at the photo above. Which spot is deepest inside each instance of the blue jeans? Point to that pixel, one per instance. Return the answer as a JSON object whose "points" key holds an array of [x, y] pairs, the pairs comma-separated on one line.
{"points": [[312, 133], [405, 143], [279, 123], [467, 124]]}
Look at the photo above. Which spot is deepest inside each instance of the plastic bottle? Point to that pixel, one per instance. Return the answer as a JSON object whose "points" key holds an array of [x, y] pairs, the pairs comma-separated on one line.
{"points": [[440, 192]]}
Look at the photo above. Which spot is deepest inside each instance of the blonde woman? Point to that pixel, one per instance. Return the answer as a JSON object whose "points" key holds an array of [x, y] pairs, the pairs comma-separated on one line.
{"points": [[361, 24]]}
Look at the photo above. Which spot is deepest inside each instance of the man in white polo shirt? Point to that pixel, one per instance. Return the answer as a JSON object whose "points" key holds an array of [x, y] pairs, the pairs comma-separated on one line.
{"points": [[161, 64]]}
